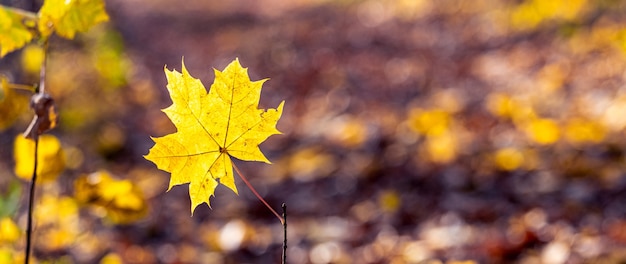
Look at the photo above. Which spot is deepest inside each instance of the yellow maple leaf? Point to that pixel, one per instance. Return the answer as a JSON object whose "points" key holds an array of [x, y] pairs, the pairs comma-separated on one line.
{"points": [[211, 128], [66, 17]]}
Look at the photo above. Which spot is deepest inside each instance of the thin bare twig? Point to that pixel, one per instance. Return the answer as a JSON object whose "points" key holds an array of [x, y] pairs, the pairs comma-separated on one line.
{"points": [[33, 182], [284, 233], [42, 72], [29, 225]]}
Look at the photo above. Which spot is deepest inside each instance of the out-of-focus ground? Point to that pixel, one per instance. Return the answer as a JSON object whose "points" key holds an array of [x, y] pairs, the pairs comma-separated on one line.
{"points": [[413, 132]]}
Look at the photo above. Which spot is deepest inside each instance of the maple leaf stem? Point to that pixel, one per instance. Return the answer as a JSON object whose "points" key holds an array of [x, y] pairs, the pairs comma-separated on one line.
{"points": [[282, 221]]}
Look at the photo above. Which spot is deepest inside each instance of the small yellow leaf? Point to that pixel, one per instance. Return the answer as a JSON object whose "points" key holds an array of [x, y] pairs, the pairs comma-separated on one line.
{"points": [[584, 131], [9, 232], [309, 163], [50, 159], [212, 128], [32, 59], [543, 131], [509, 158], [54, 209], [442, 148], [111, 258], [13, 33], [432, 122], [12, 104], [66, 17], [532, 13], [348, 131], [57, 222], [6, 255], [122, 200], [501, 105]]}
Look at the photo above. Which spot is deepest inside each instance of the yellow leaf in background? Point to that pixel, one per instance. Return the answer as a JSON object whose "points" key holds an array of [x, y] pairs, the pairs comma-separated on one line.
{"points": [[32, 59], [54, 209], [57, 222], [212, 128], [542, 130], [509, 158], [7, 255], [584, 131], [348, 131], [310, 163], [51, 158], [108, 56], [13, 33], [500, 105], [122, 200], [66, 17], [530, 14], [429, 122], [9, 232], [111, 258], [442, 148], [12, 104]]}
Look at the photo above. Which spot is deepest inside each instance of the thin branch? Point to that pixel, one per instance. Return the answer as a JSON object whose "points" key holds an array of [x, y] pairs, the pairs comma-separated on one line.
{"points": [[284, 234], [22, 87], [31, 195], [282, 221], [42, 72], [29, 225]]}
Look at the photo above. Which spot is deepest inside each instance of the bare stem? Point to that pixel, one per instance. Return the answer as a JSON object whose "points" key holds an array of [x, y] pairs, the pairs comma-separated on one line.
{"points": [[284, 233], [31, 195], [282, 221], [33, 182], [42, 72]]}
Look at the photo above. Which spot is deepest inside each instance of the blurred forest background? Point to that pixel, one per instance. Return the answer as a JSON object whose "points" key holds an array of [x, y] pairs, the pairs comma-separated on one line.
{"points": [[415, 131]]}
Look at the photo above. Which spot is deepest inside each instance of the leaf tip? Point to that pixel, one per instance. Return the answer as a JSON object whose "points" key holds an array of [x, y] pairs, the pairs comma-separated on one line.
{"points": [[280, 107], [237, 65], [183, 68], [194, 206]]}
